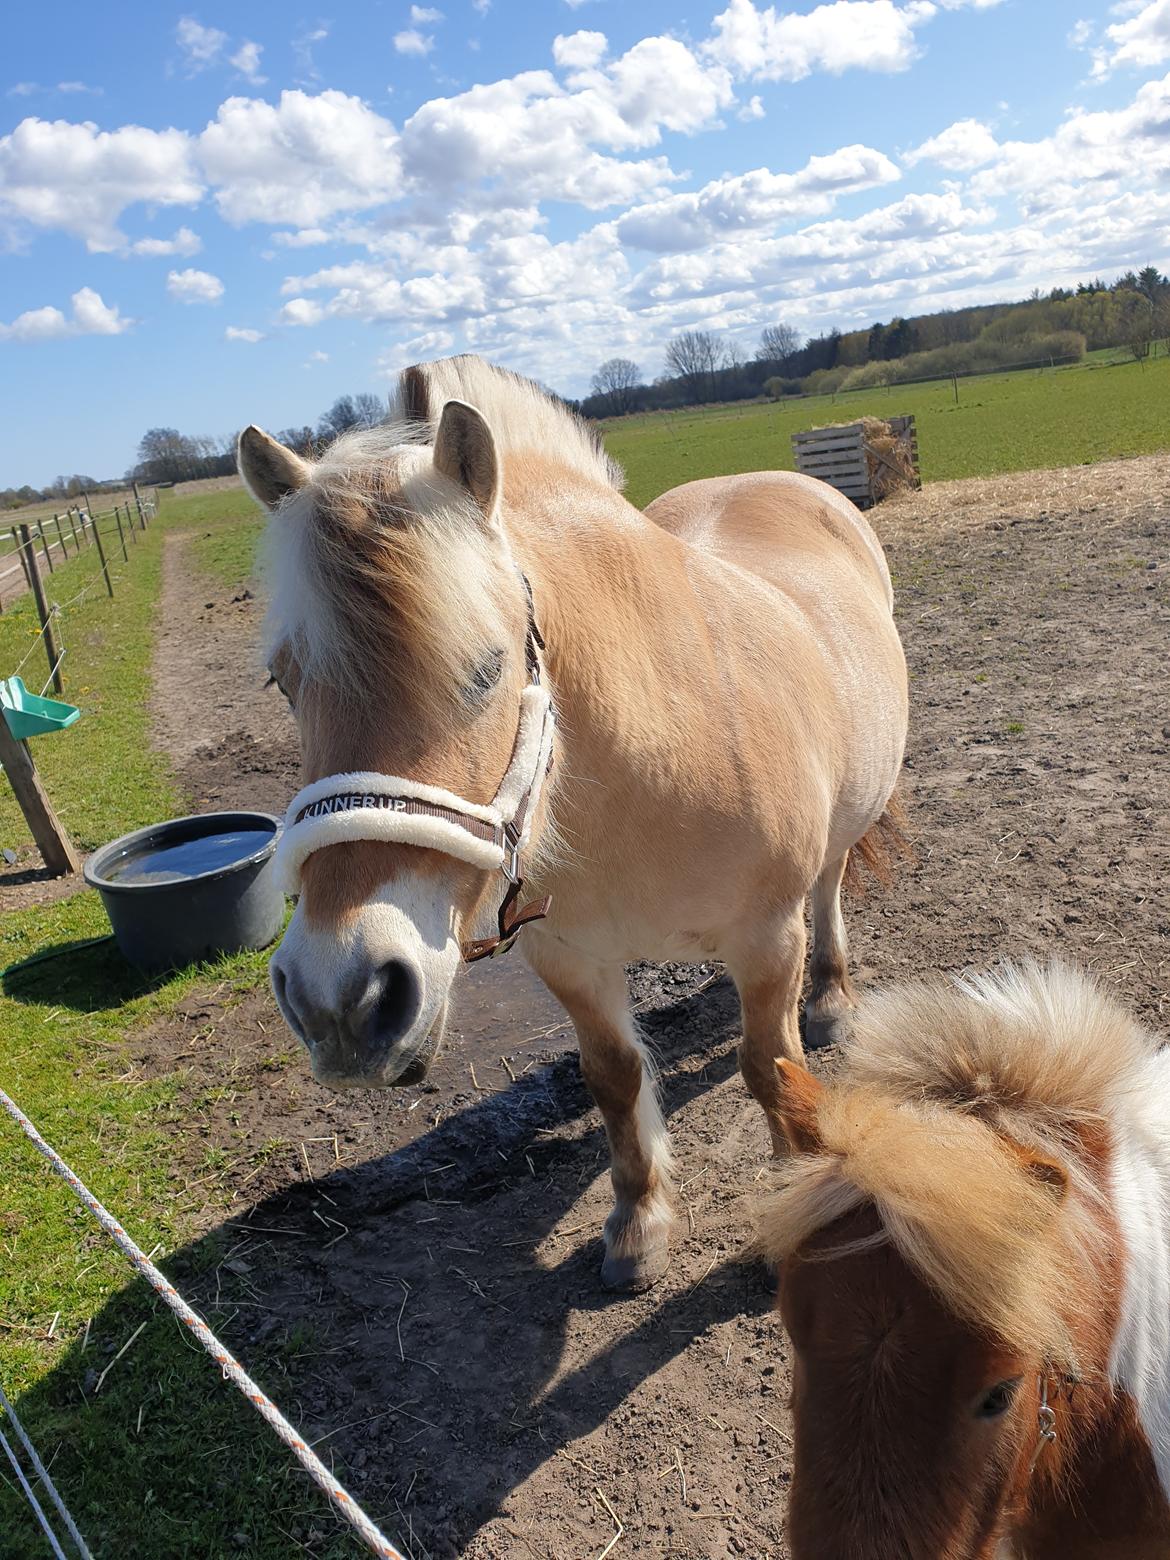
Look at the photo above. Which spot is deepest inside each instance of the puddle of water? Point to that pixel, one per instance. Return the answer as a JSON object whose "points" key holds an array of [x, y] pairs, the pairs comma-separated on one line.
{"points": [[188, 858], [500, 1006]]}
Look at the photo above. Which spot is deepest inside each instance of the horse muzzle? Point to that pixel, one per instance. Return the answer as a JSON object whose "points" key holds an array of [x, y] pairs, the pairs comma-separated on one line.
{"points": [[370, 1008]]}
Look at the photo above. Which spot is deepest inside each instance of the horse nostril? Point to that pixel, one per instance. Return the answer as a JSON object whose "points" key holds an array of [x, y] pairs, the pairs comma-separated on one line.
{"points": [[398, 1004]]}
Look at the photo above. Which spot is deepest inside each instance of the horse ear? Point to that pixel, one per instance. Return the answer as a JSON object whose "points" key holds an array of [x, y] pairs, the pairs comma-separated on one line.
{"points": [[1044, 1171], [466, 453], [271, 471], [800, 1095]]}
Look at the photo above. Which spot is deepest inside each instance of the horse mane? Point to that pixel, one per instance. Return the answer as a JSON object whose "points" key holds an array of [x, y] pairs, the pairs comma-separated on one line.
{"points": [[942, 1087], [523, 416]]}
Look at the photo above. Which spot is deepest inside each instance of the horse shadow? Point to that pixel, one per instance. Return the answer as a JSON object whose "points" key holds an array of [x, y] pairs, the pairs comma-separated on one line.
{"points": [[427, 1319]]}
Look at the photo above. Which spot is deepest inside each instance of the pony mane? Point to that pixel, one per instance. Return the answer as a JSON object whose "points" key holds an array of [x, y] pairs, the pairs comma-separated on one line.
{"points": [[523, 416], [942, 1086]]}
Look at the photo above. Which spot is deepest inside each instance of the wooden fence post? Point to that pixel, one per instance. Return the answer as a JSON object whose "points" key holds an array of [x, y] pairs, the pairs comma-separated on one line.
{"points": [[138, 501], [42, 609], [23, 560], [45, 545], [53, 842], [73, 528], [130, 524], [121, 538], [97, 536]]}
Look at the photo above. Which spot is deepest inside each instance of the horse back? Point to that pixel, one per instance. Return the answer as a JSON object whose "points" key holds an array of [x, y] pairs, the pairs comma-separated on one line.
{"points": [[762, 520]]}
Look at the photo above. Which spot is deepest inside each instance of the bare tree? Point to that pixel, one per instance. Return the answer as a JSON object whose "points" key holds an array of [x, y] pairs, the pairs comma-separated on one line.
{"points": [[778, 343], [617, 379], [370, 409], [733, 355], [694, 358]]}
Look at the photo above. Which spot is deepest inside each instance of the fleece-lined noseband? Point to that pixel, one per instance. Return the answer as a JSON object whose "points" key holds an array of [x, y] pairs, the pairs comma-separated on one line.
{"points": [[368, 806]]}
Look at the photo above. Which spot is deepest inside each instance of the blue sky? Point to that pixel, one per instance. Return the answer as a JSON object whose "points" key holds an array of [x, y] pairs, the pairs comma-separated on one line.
{"points": [[222, 214]]}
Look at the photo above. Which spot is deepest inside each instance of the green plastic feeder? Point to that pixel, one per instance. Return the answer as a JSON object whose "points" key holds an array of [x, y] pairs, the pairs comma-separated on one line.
{"points": [[30, 714]]}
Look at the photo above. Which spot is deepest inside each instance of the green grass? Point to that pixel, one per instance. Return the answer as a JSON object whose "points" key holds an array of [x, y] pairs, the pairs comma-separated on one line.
{"points": [[166, 1459], [1004, 422]]}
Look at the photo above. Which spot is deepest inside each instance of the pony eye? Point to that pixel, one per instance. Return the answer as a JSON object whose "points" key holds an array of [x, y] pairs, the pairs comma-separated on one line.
{"points": [[998, 1400], [485, 677]]}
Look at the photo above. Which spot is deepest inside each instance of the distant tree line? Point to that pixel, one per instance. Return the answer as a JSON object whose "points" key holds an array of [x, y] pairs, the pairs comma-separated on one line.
{"points": [[166, 455], [1132, 312]]}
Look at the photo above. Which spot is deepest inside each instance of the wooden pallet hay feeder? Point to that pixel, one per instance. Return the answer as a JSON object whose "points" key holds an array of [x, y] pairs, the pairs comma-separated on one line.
{"points": [[866, 460]]}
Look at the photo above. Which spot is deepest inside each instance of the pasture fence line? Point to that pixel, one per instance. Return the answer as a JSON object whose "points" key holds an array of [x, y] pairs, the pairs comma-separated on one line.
{"points": [[51, 535], [233, 1371]]}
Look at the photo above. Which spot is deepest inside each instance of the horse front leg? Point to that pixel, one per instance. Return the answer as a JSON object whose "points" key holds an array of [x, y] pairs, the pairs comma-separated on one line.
{"points": [[620, 1077]]}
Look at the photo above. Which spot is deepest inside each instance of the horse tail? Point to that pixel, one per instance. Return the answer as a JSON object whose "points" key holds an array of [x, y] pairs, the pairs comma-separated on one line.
{"points": [[880, 849]]}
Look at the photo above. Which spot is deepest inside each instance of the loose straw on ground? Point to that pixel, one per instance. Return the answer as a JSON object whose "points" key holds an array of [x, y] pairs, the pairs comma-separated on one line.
{"points": [[232, 1369]]}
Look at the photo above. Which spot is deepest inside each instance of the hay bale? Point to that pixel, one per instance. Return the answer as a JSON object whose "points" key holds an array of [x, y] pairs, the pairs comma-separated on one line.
{"points": [[890, 457]]}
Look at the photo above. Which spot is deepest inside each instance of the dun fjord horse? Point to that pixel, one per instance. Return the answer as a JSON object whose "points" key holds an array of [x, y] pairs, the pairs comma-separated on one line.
{"points": [[975, 1242], [676, 724]]}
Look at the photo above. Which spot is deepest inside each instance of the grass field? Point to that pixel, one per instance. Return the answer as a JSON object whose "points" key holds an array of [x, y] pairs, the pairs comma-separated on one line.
{"points": [[1001, 422]]}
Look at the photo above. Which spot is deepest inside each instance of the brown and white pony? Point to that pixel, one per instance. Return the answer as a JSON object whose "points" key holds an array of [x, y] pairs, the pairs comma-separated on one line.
{"points": [[975, 1249], [730, 703]]}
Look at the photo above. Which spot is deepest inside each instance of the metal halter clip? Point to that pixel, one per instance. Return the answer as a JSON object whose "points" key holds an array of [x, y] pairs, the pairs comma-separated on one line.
{"points": [[1047, 1424]]}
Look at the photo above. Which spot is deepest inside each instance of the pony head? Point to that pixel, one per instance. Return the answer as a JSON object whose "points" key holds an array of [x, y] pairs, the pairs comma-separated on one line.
{"points": [[400, 631], [943, 1233]]}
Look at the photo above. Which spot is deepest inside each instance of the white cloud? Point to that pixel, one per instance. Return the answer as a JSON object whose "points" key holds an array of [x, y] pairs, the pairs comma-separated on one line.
{"points": [[246, 60], [24, 89], [201, 46], [482, 6], [755, 200], [1092, 152], [579, 50], [966, 144], [193, 286], [184, 243], [770, 45], [316, 357], [411, 41], [78, 179], [91, 317], [302, 311], [243, 333], [73, 88], [301, 160], [752, 109], [425, 15], [1142, 41], [1080, 35]]}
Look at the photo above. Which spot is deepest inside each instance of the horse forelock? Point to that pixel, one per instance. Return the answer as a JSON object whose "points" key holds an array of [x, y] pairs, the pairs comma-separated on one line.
{"points": [[943, 1086], [385, 584]]}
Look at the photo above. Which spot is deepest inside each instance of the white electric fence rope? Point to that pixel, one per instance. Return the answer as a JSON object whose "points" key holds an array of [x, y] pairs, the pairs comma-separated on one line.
{"points": [[32, 1500], [42, 1473], [232, 1369]]}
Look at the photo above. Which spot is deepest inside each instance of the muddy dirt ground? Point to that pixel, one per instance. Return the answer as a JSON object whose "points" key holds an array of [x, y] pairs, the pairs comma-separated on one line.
{"points": [[479, 1392]]}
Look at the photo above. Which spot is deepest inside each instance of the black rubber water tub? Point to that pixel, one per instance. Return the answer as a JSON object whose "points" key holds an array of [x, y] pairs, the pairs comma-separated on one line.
{"points": [[186, 890]]}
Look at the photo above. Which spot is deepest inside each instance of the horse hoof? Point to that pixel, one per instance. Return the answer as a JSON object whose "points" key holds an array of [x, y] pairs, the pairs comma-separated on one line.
{"points": [[824, 1029], [632, 1275]]}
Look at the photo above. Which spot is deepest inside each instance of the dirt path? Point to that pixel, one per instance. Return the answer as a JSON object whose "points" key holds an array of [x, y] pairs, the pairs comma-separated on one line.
{"points": [[440, 1245]]}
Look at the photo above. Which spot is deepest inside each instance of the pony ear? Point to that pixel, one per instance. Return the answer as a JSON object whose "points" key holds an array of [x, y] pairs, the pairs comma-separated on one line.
{"points": [[466, 453], [800, 1095], [1044, 1171], [271, 471]]}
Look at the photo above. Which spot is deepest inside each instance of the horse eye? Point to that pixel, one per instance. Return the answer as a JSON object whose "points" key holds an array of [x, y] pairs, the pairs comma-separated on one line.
{"points": [[998, 1400], [484, 678], [274, 680]]}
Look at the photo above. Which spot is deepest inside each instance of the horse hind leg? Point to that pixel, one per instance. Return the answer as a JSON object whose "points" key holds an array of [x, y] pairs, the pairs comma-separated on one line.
{"points": [[618, 1074], [831, 993], [768, 972]]}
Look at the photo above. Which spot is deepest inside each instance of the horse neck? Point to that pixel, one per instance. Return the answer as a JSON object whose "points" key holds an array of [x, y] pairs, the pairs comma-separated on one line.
{"points": [[606, 586]]}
